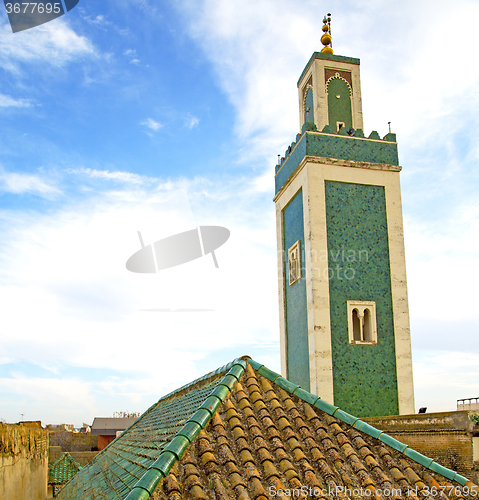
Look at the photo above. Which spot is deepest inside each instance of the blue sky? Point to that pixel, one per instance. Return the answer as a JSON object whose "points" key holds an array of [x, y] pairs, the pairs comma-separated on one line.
{"points": [[160, 116]]}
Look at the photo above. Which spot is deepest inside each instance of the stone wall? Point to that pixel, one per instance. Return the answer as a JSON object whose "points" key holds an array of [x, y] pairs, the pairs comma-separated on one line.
{"points": [[446, 437], [23, 462]]}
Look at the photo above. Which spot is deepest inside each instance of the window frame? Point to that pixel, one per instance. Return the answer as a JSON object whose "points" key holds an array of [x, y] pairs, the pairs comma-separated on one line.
{"points": [[294, 247], [361, 306]]}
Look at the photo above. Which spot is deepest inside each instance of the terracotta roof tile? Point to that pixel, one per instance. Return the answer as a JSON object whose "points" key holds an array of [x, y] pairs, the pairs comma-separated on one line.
{"points": [[252, 440]]}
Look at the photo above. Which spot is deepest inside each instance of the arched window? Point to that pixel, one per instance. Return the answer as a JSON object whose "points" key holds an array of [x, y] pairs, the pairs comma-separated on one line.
{"points": [[362, 322], [339, 103], [309, 106], [356, 325], [367, 325]]}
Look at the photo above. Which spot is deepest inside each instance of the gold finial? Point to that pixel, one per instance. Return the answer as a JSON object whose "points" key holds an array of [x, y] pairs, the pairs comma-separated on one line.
{"points": [[326, 38]]}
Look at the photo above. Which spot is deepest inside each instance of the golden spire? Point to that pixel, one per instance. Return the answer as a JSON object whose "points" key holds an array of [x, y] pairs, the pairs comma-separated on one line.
{"points": [[326, 38]]}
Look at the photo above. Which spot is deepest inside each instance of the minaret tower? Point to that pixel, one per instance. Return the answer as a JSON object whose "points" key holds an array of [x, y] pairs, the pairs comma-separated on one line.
{"points": [[344, 313]]}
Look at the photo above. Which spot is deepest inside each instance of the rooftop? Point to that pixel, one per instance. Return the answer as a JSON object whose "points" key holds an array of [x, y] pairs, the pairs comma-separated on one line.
{"points": [[62, 469], [245, 432]]}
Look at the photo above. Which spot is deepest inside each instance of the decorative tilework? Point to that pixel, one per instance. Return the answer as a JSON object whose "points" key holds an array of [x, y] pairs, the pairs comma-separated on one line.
{"points": [[364, 376], [336, 146], [297, 351]]}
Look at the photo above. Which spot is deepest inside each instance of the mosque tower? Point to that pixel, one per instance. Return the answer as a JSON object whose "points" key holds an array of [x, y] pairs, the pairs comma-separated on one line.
{"points": [[344, 314]]}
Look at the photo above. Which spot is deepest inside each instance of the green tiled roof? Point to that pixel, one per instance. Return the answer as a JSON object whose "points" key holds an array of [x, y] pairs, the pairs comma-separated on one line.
{"points": [[117, 468], [62, 469], [243, 429]]}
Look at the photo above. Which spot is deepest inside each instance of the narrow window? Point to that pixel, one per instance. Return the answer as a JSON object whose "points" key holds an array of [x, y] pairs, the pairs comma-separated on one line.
{"points": [[294, 263], [362, 322], [367, 326], [356, 326]]}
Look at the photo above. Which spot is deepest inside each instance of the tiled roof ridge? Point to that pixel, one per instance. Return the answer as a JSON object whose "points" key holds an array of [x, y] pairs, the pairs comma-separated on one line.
{"points": [[360, 425], [175, 449], [64, 457], [178, 391]]}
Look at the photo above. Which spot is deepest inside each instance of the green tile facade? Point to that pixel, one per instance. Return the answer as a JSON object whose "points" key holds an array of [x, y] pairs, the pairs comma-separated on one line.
{"points": [[297, 350], [342, 147], [309, 103], [339, 103], [364, 376]]}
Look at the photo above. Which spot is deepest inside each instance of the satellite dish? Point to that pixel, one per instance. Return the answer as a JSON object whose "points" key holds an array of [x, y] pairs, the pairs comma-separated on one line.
{"points": [[351, 131]]}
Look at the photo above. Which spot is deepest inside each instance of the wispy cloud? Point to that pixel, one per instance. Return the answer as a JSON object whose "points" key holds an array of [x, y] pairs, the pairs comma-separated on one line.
{"points": [[191, 121], [100, 20], [125, 177], [12, 182], [9, 102], [54, 44], [131, 54], [151, 124]]}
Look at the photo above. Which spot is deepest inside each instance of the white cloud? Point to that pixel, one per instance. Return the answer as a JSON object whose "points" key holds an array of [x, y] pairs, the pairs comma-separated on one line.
{"points": [[54, 44], [191, 121], [12, 182], [151, 124], [67, 270], [126, 177], [6, 102], [34, 397], [131, 53], [441, 378], [99, 20]]}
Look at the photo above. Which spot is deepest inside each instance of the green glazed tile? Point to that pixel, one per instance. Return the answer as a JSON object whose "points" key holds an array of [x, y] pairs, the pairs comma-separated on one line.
{"points": [[211, 404], [305, 395], [236, 371], [149, 480], [393, 443], [190, 430], [345, 417], [450, 474], [177, 445], [461, 479], [367, 429], [229, 381], [138, 494], [165, 462], [286, 385], [255, 364], [418, 457], [201, 417], [221, 392], [269, 374], [326, 407]]}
